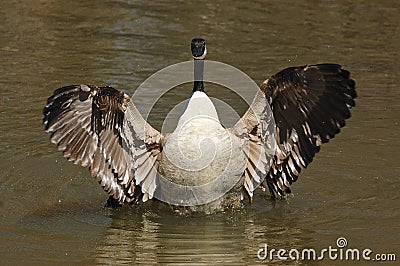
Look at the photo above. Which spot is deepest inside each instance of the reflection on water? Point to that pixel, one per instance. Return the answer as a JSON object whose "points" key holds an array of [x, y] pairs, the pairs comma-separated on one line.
{"points": [[51, 211], [232, 237]]}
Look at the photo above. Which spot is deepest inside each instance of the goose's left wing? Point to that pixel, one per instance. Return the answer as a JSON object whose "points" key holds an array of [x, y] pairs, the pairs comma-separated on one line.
{"points": [[100, 128], [309, 105]]}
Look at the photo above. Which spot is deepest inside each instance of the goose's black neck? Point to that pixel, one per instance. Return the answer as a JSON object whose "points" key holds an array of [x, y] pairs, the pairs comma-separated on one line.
{"points": [[199, 51], [198, 84]]}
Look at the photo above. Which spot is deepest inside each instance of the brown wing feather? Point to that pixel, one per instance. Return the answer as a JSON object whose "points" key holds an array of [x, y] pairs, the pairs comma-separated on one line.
{"points": [[89, 125], [310, 104]]}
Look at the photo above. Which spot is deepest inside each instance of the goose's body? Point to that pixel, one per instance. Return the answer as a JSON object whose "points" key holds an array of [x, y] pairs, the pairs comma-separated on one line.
{"points": [[198, 155], [200, 148], [202, 164]]}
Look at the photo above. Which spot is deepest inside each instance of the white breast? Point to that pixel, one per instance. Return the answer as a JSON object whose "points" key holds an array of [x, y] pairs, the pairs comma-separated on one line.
{"points": [[201, 151], [198, 105]]}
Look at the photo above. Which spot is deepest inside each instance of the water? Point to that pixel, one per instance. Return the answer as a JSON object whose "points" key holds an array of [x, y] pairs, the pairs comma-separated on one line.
{"points": [[51, 210]]}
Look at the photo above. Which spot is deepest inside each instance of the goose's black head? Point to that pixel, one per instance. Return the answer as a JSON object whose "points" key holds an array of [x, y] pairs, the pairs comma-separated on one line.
{"points": [[198, 47]]}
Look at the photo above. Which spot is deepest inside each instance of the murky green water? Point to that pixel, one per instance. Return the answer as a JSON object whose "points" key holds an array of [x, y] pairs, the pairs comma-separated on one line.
{"points": [[52, 212]]}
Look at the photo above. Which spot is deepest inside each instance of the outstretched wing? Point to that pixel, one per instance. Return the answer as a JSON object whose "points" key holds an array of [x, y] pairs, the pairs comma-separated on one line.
{"points": [[100, 128], [309, 104]]}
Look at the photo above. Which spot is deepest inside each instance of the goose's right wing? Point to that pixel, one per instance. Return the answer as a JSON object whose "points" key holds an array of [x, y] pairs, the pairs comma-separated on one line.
{"points": [[100, 128], [309, 104]]}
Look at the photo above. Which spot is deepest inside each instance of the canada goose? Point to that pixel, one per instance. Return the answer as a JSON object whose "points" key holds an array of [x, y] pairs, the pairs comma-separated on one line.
{"points": [[100, 128]]}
